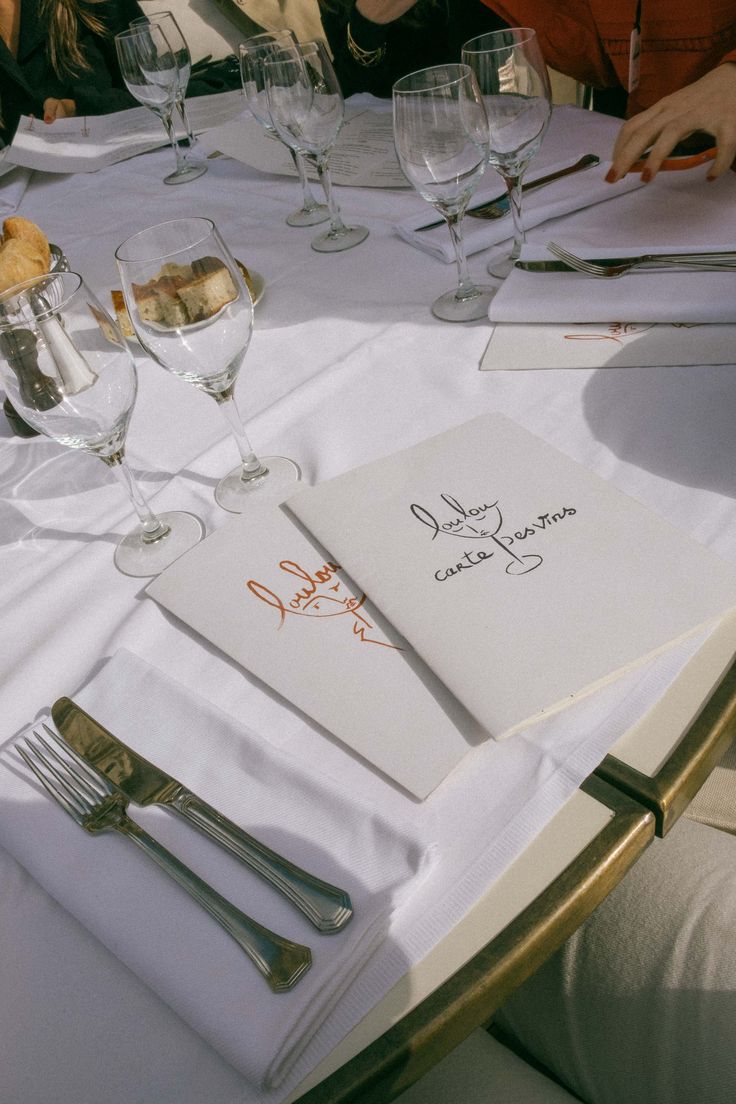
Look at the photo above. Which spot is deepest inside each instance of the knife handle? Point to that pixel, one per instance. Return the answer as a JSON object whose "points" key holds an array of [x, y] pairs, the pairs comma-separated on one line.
{"points": [[327, 907], [280, 961]]}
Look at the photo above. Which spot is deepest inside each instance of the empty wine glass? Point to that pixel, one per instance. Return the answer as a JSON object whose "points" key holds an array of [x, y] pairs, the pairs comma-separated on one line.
{"points": [[69, 372], [252, 53], [192, 312], [307, 109], [149, 69], [441, 139], [183, 59], [514, 82]]}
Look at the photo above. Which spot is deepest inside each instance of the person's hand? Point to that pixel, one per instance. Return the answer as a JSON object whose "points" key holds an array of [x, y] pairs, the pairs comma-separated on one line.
{"points": [[384, 11], [58, 109], [709, 104]]}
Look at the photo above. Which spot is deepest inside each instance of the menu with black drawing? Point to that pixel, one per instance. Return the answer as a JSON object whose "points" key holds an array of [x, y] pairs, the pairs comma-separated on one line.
{"points": [[282, 607], [521, 578]]}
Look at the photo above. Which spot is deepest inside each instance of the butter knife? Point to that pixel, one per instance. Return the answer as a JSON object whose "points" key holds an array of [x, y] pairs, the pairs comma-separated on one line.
{"points": [[720, 261], [326, 906], [502, 202]]}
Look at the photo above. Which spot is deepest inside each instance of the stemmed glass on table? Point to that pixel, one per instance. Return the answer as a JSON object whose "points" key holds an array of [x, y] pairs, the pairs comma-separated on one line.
{"points": [[69, 373], [192, 312], [149, 68], [183, 59], [307, 109], [514, 82], [441, 139], [253, 52]]}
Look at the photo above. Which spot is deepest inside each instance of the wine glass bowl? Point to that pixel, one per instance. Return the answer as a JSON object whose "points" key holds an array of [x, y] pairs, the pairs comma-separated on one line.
{"points": [[193, 314], [307, 110], [69, 373], [441, 139], [253, 52], [514, 82]]}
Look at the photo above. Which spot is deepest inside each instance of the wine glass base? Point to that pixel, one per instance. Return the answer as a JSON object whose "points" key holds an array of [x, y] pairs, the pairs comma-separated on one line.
{"points": [[450, 308], [342, 239], [501, 265], [309, 216], [235, 494], [183, 176], [135, 557]]}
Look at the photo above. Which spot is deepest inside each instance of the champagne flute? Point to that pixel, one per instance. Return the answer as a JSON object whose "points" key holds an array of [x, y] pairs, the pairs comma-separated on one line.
{"points": [[252, 53], [69, 372], [149, 69], [192, 312], [441, 138], [183, 59], [307, 109], [514, 82]]}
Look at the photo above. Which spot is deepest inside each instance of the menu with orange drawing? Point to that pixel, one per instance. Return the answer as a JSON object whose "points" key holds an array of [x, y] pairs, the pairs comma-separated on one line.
{"points": [[273, 600], [521, 578]]}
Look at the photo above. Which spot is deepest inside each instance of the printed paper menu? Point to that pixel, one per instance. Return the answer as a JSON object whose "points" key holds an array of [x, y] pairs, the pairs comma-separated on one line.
{"points": [[264, 593], [522, 579]]}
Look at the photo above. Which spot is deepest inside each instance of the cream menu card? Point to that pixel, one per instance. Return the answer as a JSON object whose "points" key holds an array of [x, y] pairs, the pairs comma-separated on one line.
{"points": [[521, 578], [268, 597]]}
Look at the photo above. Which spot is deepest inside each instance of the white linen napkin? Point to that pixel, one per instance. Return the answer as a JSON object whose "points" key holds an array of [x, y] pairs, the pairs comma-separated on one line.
{"points": [[155, 928], [571, 193], [13, 182], [645, 296]]}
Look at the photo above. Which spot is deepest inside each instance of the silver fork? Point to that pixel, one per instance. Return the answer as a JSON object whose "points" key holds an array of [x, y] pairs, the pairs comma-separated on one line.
{"points": [[91, 801], [704, 262]]}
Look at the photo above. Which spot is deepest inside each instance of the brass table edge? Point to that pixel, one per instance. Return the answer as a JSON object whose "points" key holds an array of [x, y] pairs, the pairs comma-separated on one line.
{"points": [[668, 792], [467, 999]]}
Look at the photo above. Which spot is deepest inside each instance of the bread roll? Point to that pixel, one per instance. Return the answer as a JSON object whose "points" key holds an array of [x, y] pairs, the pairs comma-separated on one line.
{"points": [[17, 228], [19, 260]]}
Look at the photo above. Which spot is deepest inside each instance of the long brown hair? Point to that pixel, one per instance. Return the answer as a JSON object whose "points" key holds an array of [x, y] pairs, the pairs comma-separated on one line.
{"points": [[62, 19]]}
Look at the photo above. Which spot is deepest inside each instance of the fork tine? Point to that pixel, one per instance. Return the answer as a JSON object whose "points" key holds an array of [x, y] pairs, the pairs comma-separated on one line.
{"points": [[95, 786], [72, 807], [574, 261]]}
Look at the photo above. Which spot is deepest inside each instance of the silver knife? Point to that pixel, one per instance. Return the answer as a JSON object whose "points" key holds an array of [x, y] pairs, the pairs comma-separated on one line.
{"points": [[502, 200], [328, 907], [560, 266]]}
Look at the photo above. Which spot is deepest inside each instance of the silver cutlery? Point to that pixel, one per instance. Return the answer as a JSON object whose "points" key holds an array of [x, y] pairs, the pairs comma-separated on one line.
{"points": [[97, 807], [613, 267], [498, 206], [327, 906]]}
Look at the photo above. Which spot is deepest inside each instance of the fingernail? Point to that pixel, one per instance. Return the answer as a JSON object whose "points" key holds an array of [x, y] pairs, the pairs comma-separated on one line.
{"points": [[611, 176], [646, 175]]}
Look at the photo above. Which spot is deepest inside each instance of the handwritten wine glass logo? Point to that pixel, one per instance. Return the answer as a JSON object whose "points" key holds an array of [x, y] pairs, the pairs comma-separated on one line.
{"points": [[322, 595]]}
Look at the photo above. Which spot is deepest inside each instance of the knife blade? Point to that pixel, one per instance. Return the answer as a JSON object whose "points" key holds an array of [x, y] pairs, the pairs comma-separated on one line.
{"points": [[327, 907]]}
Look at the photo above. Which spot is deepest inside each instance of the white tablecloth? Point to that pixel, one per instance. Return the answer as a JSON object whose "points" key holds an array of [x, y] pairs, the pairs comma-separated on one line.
{"points": [[346, 364]]}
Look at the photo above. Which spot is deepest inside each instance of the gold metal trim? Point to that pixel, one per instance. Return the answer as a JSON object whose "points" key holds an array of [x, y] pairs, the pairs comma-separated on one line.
{"points": [[468, 999], [668, 792]]}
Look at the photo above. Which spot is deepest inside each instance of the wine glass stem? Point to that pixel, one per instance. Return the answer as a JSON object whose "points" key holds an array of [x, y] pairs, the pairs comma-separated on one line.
{"points": [[252, 466], [513, 186], [337, 226], [182, 109], [310, 201], [153, 528], [166, 119], [465, 286]]}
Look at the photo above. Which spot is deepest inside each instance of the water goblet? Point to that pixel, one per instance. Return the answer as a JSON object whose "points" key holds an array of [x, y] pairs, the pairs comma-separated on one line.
{"points": [[252, 53], [441, 138], [192, 312], [70, 374], [307, 109], [183, 59], [514, 82], [149, 68]]}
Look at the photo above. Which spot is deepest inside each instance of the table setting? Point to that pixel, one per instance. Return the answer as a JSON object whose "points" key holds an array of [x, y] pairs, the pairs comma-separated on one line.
{"points": [[353, 741]]}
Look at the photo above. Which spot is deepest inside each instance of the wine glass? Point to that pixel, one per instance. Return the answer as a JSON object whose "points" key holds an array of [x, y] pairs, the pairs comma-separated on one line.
{"points": [[150, 71], [183, 59], [69, 372], [192, 312], [514, 82], [307, 109], [441, 139], [252, 53]]}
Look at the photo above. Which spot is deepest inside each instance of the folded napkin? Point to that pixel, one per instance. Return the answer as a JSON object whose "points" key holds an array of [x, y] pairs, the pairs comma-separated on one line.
{"points": [[155, 928], [13, 182], [571, 193], [639, 297]]}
